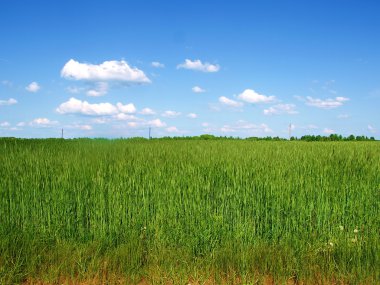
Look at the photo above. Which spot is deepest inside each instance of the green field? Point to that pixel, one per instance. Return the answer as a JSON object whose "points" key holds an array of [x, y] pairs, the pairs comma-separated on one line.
{"points": [[170, 211]]}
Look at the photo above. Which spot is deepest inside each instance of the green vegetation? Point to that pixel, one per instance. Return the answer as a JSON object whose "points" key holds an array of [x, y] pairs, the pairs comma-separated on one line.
{"points": [[184, 210]]}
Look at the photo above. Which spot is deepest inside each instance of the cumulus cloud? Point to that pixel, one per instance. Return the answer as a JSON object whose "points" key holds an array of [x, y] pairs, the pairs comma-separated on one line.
{"points": [[170, 114], [85, 127], [329, 103], [75, 106], [197, 89], [281, 109], [229, 102], [5, 124], [80, 127], [124, 117], [141, 123], [192, 115], [42, 122], [101, 88], [147, 111], [8, 102], [156, 123], [172, 130], [328, 131], [251, 96], [247, 127], [198, 65], [132, 124], [158, 64], [33, 87], [107, 71], [128, 108]]}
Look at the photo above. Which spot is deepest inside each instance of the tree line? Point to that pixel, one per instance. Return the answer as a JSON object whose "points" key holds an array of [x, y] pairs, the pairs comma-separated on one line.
{"points": [[308, 138]]}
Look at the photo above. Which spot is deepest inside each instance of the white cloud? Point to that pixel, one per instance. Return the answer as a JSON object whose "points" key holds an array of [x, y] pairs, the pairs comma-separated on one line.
{"points": [[156, 123], [80, 127], [75, 106], [328, 131], [171, 114], [33, 87], [147, 111], [371, 129], [21, 124], [128, 108], [329, 103], [124, 117], [8, 102], [229, 102], [198, 65], [101, 88], [281, 109], [42, 122], [101, 120], [205, 124], [172, 130], [244, 126], [4, 124], [197, 89], [158, 64], [132, 124], [251, 96], [85, 127], [192, 115], [107, 71], [135, 122]]}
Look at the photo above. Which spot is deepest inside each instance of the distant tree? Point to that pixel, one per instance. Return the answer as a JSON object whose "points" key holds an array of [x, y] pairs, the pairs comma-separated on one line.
{"points": [[351, 138]]}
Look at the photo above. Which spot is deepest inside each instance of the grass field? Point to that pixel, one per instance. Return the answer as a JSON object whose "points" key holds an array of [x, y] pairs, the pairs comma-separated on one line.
{"points": [[172, 212]]}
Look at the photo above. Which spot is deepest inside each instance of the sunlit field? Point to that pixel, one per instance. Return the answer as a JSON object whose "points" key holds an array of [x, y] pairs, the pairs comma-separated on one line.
{"points": [[180, 211]]}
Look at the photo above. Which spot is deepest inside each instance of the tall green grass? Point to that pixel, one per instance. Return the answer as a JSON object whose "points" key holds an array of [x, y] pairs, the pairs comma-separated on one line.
{"points": [[181, 209]]}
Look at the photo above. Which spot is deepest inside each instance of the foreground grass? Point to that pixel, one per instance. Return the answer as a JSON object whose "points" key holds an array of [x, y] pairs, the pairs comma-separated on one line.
{"points": [[176, 211]]}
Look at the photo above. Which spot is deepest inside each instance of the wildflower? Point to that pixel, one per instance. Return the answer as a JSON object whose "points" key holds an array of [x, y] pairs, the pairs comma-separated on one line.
{"points": [[341, 228], [331, 244], [356, 231]]}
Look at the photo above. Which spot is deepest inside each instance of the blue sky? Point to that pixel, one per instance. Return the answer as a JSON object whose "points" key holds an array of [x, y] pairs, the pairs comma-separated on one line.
{"points": [[234, 68]]}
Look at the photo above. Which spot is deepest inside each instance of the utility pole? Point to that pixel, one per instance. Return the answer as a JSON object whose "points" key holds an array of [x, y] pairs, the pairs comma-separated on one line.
{"points": [[149, 132], [290, 130], [62, 134]]}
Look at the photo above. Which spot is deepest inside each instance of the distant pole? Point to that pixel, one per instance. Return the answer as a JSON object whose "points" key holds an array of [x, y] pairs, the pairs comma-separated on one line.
{"points": [[290, 130], [149, 132], [62, 134]]}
